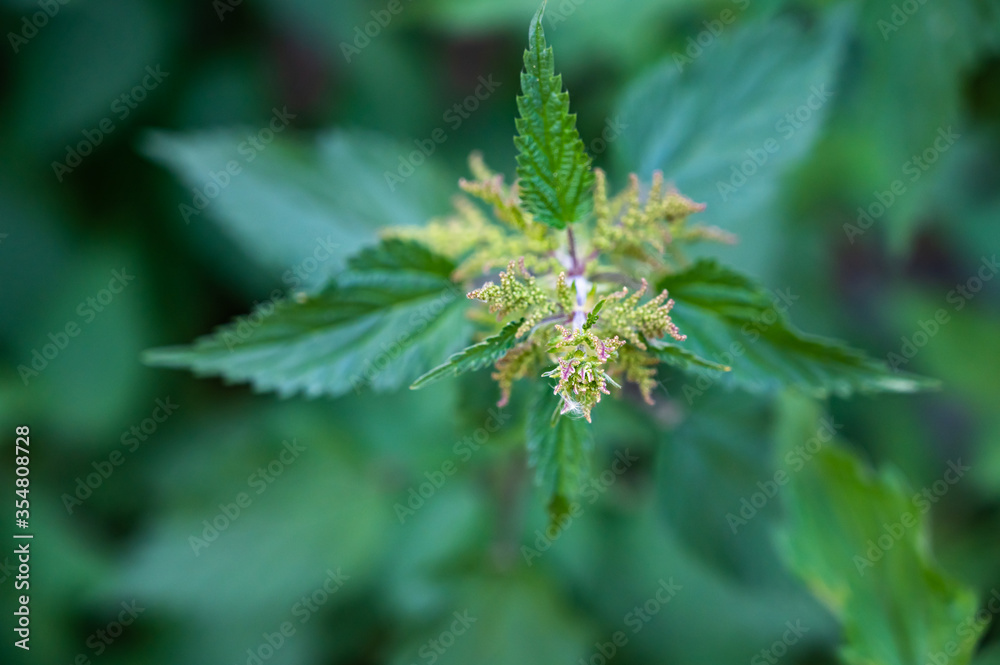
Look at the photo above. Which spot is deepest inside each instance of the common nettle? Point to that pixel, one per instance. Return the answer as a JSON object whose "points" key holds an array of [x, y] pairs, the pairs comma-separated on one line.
{"points": [[583, 292], [575, 288]]}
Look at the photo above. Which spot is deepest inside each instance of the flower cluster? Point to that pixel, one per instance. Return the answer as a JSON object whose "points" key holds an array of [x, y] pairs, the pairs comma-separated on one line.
{"points": [[632, 227], [517, 293], [582, 368], [516, 364], [478, 244], [650, 320], [582, 328]]}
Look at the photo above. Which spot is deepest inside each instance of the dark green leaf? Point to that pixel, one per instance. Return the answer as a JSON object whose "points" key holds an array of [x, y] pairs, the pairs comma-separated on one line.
{"points": [[705, 122], [709, 470], [474, 357], [294, 202], [552, 164], [380, 324], [559, 448], [859, 540], [731, 320]]}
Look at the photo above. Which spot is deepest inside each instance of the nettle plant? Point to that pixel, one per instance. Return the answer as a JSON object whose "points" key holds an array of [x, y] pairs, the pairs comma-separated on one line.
{"points": [[575, 297], [584, 293]]}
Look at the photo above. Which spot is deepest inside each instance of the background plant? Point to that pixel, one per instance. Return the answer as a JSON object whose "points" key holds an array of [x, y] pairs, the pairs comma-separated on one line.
{"points": [[701, 450]]}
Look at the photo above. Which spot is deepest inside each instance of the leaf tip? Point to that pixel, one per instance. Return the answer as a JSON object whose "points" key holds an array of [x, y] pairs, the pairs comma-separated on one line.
{"points": [[559, 509], [159, 357], [535, 28]]}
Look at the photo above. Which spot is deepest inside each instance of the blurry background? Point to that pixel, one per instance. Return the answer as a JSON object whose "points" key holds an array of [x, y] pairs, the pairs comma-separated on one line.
{"points": [[119, 219]]}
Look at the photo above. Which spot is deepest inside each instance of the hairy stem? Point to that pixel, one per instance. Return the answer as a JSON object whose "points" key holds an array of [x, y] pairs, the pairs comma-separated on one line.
{"points": [[580, 283]]}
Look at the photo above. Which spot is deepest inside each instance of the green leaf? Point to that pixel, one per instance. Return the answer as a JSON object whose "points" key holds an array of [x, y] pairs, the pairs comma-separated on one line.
{"points": [[474, 357], [559, 448], [731, 320], [227, 575], [708, 469], [859, 540], [679, 357], [702, 120], [927, 86], [552, 164], [296, 205], [381, 324], [595, 314]]}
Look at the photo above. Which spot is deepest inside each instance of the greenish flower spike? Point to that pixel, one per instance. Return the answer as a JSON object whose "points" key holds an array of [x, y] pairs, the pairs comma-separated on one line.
{"points": [[517, 292], [553, 167]]}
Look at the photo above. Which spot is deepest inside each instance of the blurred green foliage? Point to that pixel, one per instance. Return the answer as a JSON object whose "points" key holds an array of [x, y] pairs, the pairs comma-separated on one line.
{"points": [[690, 87]]}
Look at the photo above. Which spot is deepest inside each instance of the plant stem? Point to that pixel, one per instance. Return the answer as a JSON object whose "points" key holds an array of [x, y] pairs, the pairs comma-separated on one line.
{"points": [[575, 267], [581, 285]]}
